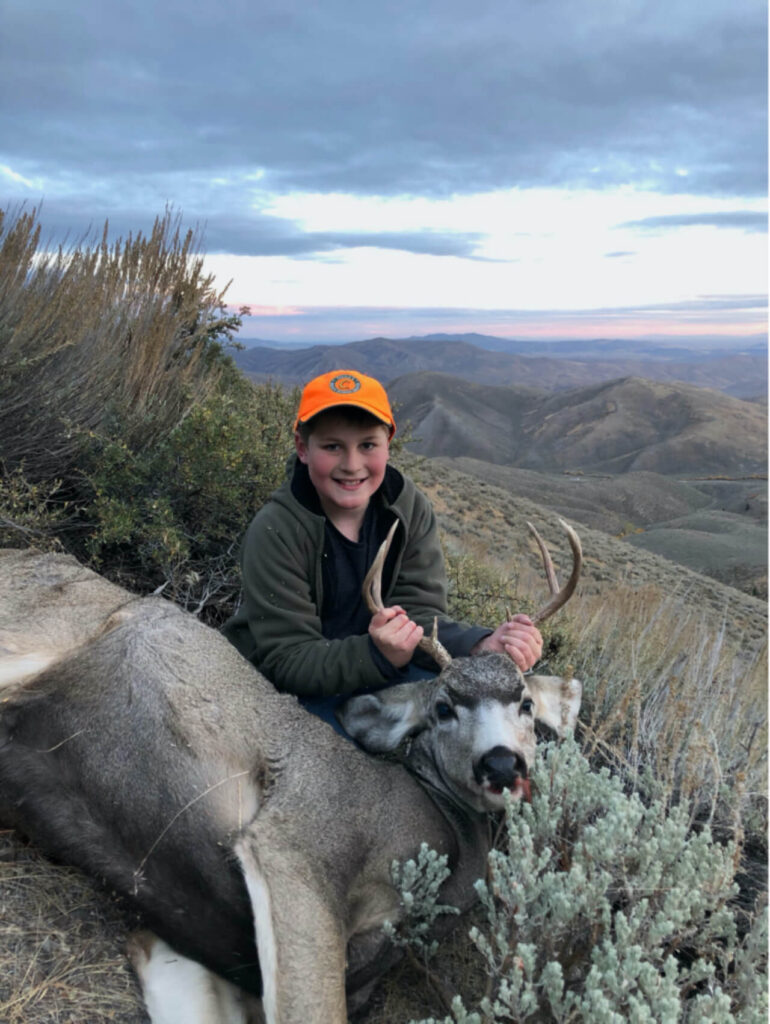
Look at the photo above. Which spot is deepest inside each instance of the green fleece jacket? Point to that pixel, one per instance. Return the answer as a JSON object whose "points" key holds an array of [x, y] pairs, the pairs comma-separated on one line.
{"points": [[278, 626]]}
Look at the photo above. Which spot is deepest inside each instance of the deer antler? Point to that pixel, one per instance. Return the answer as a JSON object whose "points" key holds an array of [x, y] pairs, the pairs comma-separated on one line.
{"points": [[559, 596], [372, 591]]}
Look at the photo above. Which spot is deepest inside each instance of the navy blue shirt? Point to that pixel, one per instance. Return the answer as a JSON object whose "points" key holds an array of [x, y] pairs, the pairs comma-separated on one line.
{"points": [[345, 565]]}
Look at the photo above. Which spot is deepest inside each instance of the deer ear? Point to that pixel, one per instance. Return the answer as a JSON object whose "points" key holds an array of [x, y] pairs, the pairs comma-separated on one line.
{"points": [[379, 721], [557, 701]]}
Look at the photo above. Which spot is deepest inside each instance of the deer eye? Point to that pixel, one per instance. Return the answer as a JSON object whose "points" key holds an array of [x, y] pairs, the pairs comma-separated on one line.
{"points": [[444, 711], [527, 706]]}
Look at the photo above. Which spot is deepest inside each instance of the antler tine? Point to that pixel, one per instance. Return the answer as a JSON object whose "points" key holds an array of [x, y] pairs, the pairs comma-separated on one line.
{"points": [[372, 591], [559, 597], [372, 585], [433, 646]]}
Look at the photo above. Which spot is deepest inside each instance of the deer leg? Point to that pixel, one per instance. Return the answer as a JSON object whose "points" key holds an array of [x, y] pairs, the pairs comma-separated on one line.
{"points": [[180, 991], [300, 938]]}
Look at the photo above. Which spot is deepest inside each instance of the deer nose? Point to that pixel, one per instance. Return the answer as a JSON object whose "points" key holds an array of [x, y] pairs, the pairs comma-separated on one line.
{"points": [[500, 767]]}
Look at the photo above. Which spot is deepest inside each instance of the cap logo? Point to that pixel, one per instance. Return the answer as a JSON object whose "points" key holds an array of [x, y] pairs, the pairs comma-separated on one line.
{"points": [[345, 384]]}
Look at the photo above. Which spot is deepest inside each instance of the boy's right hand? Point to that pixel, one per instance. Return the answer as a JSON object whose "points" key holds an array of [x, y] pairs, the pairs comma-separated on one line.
{"points": [[395, 635]]}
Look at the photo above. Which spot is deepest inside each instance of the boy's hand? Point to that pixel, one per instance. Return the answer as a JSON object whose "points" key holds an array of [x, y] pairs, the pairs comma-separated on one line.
{"points": [[520, 639], [395, 635]]}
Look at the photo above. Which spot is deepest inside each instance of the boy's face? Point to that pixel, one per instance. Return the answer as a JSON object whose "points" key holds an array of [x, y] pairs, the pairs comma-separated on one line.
{"points": [[346, 464]]}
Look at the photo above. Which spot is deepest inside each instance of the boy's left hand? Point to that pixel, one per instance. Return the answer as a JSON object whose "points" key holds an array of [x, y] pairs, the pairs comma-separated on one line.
{"points": [[520, 639]]}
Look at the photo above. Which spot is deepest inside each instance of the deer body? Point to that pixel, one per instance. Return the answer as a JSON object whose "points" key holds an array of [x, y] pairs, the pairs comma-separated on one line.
{"points": [[138, 745]]}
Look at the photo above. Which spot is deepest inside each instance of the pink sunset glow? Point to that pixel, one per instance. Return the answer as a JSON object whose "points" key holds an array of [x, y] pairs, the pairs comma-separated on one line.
{"points": [[702, 320]]}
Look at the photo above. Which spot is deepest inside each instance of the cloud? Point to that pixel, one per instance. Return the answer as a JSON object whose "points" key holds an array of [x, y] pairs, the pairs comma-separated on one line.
{"points": [[8, 172], [250, 233], [428, 99], [746, 220], [273, 236], [749, 306]]}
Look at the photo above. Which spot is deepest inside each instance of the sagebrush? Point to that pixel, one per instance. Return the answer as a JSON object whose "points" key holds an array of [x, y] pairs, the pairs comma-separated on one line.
{"points": [[604, 904]]}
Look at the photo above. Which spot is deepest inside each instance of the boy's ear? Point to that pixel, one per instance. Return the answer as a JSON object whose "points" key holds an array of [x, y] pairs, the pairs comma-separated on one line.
{"points": [[300, 446]]}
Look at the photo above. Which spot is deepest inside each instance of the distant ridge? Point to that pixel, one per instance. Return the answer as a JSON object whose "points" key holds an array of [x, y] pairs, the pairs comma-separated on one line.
{"points": [[739, 373], [668, 349]]}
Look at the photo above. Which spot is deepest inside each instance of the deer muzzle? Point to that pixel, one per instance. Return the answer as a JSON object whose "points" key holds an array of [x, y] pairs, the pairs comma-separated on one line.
{"points": [[501, 768]]}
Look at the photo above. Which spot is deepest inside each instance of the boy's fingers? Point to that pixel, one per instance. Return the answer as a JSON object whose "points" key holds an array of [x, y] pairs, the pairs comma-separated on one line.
{"points": [[397, 630], [518, 657], [402, 627], [531, 637], [386, 614], [397, 639], [525, 649]]}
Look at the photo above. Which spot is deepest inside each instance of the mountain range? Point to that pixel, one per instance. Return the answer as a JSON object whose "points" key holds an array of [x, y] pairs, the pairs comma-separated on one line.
{"points": [[667, 349], [617, 426], [677, 470], [551, 366]]}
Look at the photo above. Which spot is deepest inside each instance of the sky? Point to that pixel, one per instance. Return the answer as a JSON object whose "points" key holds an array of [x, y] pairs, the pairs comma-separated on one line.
{"points": [[524, 168]]}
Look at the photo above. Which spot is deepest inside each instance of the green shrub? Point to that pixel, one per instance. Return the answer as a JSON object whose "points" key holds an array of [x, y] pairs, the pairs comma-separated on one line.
{"points": [[418, 883], [607, 906], [173, 515], [29, 513]]}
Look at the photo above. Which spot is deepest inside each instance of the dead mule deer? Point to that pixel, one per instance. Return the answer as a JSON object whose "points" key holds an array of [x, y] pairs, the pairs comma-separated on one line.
{"points": [[137, 744]]}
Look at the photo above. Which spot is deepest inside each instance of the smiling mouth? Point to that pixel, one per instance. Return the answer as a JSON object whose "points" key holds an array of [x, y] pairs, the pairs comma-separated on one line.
{"points": [[350, 485]]}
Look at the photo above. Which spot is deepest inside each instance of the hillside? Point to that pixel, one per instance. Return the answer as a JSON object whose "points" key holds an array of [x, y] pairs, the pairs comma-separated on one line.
{"points": [[714, 527], [614, 504], [625, 425], [480, 519], [551, 366]]}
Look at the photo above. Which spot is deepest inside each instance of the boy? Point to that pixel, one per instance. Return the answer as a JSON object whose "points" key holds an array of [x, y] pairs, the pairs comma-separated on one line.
{"points": [[303, 621]]}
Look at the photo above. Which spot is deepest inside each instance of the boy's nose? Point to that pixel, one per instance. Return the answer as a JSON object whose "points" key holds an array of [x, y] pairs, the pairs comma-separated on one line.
{"points": [[351, 462]]}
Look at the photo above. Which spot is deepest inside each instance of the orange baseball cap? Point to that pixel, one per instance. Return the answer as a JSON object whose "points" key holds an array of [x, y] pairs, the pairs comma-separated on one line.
{"points": [[345, 387]]}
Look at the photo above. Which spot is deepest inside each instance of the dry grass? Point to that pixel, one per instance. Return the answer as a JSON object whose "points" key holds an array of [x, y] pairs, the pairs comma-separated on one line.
{"points": [[61, 941], [669, 691], [406, 994]]}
